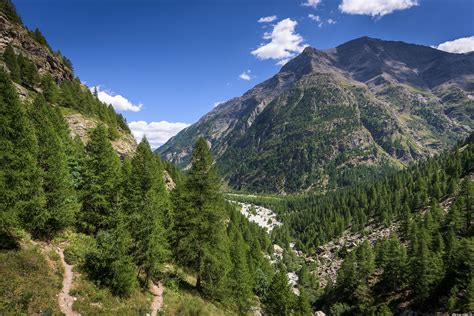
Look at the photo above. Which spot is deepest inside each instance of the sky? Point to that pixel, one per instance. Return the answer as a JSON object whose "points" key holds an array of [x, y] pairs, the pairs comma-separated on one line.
{"points": [[165, 63]]}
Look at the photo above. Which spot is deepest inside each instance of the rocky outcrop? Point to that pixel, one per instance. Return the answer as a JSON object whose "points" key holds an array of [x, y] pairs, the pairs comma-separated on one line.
{"points": [[169, 182], [80, 125], [331, 255], [46, 61]]}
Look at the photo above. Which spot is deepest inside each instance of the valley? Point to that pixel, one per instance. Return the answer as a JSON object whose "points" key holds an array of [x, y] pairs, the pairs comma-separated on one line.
{"points": [[342, 185]]}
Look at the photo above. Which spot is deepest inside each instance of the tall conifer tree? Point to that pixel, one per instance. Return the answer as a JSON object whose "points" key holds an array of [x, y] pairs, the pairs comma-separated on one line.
{"points": [[20, 178]]}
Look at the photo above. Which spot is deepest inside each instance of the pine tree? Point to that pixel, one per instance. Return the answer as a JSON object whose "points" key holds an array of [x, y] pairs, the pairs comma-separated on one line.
{"points": [[110, 263], [20, 178], [279, 299], [239, 276], [28, 72], [50, 89], [394, 265], [102, 182], [201, 243], [147, 202], [12, 63], [61, 202], [303, 307]]}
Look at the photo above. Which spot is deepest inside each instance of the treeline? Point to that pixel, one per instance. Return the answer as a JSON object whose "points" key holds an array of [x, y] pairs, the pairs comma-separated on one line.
{"points": [[431, 264], [126, 224], [68, 94], [315, 219]]}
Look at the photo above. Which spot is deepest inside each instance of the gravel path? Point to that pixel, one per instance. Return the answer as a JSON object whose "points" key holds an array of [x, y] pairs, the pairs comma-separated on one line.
{"points": [[157, 303], [65, 300]]}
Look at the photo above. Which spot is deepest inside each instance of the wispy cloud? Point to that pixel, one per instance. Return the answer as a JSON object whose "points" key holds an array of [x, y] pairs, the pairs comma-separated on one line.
{"points": [[311, 3], [315, 18], [375, 8], [267, 19], [459, 46], [218, 103], [284, 43], [331, 21], [246, 75], [157, 133], [119, 102]]}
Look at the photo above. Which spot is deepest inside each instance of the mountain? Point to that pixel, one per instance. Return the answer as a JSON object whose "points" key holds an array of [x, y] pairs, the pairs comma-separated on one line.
{"points": [[328, 118], [80, 109]]}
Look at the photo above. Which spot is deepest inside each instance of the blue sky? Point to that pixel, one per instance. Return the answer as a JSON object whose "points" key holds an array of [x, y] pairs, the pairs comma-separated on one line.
{"points": [[173, 60]]}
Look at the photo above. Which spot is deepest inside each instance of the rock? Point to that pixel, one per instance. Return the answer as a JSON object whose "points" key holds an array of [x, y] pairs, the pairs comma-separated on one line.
{"points": [[16, 35], [80, 125], [319, 313], [169, 183]]}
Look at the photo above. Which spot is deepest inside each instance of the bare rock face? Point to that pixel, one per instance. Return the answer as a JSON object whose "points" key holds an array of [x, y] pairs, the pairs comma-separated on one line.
{"points": [[169, 183], [46, 62], [79, 126]]}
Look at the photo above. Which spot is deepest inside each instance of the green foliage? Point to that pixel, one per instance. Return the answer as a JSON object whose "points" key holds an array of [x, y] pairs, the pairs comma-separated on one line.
{"points": [[50, 89], [110, 264], [147, 208], [75, 96], [280, 299], [21, 191], [12, 63], [200, 237], [7, 7], [27, 283], [29, 76], [61, 202], [102, 184]]}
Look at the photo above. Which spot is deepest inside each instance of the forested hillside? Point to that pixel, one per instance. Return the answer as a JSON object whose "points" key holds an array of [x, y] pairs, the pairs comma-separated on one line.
{"points": [[424, 265]]}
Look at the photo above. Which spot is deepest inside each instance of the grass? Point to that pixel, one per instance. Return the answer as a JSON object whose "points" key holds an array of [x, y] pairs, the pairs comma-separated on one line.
{"points": [[183, 303], [95, 300], [29, 282]]}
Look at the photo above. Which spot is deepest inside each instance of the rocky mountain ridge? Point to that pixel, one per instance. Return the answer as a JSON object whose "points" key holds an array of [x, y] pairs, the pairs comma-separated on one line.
{"points": [[46, 61], [362, 107]]}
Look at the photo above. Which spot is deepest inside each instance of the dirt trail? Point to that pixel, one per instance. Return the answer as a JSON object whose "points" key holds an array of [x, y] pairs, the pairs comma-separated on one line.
{"points": [[157, 302], [65, 300]]}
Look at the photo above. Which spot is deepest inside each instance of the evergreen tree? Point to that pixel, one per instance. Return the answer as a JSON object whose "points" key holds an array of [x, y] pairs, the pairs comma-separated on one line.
{"points": [[303, 307], [239, 277], [102, 181], [50, 89], [201, 243], [61, 203], [394, 265], [11, 61], [28, 72], [147, 202], [20, 178], [110, 264], [279, 299]]}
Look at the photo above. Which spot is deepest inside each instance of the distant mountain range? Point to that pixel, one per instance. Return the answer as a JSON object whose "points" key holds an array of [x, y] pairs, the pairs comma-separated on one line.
{"points": [[331, 117]]}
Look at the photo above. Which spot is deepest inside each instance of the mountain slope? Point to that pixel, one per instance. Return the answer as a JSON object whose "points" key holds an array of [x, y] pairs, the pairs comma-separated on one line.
{"points": [[81, 110], [331, 117]]}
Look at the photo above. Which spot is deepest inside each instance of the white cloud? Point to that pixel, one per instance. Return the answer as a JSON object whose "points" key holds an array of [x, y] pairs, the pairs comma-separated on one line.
{"points": [[218, 103], [331, 21], [284, 42], [157, 133], [311, 3], [315, 18], [267, 19], [246, 75], [375, 8], [119, 102], [458, 46]]}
